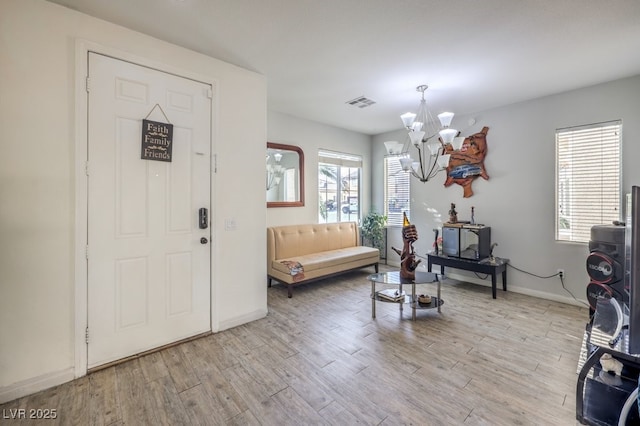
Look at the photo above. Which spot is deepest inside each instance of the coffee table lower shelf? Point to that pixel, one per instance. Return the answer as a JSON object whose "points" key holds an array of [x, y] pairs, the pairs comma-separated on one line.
{"points": [[436, 302], [393, 278]]}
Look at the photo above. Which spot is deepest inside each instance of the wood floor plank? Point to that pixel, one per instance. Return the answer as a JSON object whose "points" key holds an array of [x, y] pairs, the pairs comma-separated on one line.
{"points": [[153, 366], [319, 358], [257, 397], [209, 352], [74, 397], [199, 407], [314, 391], [336, 414], [132, 387], [103, 403], [166, 404], [246, 418], [260, 364], [180, 368], [297, 408], [225, 399]]}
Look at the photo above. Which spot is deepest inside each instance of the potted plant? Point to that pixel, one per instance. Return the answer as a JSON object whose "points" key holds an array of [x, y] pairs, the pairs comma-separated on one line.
{"points": [[373, 229]]}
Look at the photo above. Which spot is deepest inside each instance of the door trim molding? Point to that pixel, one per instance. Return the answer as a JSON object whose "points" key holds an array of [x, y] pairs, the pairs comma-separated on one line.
{"points": [[82, 50]]}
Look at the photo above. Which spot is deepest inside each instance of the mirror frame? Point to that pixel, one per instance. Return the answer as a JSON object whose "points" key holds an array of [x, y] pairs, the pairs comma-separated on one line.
{"points": [[300, 201]]}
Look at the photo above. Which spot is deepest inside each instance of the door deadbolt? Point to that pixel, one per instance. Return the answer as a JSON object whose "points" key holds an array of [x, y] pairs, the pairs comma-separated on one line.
{"points": [[203, 240]]}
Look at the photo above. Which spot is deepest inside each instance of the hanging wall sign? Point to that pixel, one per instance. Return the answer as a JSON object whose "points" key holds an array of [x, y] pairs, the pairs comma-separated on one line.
{"points": [[157, 140]]}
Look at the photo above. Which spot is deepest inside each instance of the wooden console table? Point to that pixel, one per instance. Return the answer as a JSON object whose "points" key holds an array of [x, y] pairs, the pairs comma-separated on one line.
{"points": [[473, 265]]}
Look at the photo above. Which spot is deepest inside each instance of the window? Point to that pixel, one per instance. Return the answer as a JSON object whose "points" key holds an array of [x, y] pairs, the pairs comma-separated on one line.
{"points": [[339, 187], [587, 179], [396, 191], [290, 187]]}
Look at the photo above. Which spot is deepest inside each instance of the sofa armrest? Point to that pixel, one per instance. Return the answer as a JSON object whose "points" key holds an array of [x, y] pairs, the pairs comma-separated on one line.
{"points": [[271, 250]]}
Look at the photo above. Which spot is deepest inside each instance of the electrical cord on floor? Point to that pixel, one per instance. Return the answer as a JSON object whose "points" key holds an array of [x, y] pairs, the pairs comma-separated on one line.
{"points": [[532, 274], [557, 274]]}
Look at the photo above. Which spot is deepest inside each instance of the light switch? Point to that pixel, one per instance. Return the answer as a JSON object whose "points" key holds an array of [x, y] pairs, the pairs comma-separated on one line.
{"points": [[230, 224]]}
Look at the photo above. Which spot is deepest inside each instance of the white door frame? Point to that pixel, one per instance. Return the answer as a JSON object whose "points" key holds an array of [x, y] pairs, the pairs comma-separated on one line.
{"points": [[82, 49]]}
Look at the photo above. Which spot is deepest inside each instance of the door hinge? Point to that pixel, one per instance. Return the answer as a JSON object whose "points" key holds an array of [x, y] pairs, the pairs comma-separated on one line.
{"points": [[87, 84], [86, 335], [86, 168], [209, 93], [215, 163], [86, 251]]}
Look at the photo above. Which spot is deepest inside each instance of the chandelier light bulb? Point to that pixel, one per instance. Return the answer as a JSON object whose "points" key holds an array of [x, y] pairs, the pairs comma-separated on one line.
{"points": [[393, 147], [416, 137], [447, 135], [457, 143], [445, 118], [434, 148], [443, 161], [428, 140], [407, 119], [405, 163]]}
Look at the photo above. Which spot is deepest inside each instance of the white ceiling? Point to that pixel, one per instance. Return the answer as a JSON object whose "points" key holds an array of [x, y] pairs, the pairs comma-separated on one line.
{"points": [[473, 54]]}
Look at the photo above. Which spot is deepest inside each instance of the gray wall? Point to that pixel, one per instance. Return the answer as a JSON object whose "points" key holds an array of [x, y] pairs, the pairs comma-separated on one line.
{"points": [[312, 136], [519, 198], [41, 337]]}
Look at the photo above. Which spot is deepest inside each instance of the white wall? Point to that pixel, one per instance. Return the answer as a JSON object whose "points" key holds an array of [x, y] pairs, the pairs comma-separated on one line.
{"points": [[312, 136], [37, 185], [518, 200]]}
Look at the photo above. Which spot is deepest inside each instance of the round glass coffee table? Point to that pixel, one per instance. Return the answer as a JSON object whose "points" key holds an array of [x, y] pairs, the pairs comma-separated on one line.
{"points": [[398, 295]]}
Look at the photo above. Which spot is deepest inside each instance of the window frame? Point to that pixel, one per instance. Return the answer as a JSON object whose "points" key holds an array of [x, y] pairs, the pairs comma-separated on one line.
{"points": [[577, 150], [342, 162], [392, 167]]}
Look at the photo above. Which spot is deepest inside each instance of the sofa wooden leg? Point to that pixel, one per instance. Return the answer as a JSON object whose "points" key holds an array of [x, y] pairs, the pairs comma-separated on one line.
{"points": [[268, 281], [376, 266], [289, 291]]}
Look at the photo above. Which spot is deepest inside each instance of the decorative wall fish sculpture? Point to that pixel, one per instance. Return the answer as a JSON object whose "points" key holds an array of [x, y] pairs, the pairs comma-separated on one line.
{"points": [[467, 164]]}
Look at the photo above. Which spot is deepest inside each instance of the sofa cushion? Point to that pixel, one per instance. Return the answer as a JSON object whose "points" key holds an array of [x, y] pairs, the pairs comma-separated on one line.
{"points": [[325, 259], [295, 240]]}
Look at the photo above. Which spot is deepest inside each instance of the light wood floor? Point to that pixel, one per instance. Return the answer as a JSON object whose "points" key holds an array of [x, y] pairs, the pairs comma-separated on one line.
{"points": [[319, 358]]}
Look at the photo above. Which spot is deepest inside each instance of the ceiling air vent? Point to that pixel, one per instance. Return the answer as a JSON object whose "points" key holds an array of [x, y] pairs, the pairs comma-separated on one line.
{"points": [[361, 102]]}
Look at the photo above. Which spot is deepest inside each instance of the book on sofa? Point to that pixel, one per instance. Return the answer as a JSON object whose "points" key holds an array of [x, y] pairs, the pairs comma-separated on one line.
{"points": [[391, 294]]}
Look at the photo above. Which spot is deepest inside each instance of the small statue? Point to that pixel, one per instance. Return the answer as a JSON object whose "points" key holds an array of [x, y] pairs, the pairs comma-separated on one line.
{"points": [[436, 231], [408, 262], [453, 214]]}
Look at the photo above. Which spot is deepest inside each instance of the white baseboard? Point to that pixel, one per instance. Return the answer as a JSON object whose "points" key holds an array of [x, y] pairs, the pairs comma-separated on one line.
{"points": [[395, 263], [35, 384], [516, 289], [243, 319]]}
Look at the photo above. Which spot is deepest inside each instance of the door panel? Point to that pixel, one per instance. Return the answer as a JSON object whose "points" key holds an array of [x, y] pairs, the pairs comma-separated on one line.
{"points": [[148, 273]]}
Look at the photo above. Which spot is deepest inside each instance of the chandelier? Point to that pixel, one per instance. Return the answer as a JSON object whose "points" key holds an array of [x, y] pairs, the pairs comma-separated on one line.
{"points": [[430, 142], [274, 170]]}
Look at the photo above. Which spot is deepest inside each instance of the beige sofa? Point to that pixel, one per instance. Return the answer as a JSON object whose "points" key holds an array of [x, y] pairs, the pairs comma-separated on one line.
{"points": [[321, 250]]}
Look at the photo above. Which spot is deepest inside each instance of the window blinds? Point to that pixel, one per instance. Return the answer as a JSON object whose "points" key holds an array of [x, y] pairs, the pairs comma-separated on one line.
{"points": [[397, 189], [588, 174]]}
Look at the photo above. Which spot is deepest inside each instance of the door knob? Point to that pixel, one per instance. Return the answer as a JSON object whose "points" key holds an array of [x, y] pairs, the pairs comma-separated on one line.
{"points": [[203, 240]]}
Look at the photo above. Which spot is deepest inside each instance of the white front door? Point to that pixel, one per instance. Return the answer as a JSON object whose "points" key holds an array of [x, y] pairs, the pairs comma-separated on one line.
{"points": [[148, 260]]}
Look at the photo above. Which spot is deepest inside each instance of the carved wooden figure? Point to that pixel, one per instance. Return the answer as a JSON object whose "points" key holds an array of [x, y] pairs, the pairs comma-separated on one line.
{"points": [[453, 214], [467, 164], [408, 262]]}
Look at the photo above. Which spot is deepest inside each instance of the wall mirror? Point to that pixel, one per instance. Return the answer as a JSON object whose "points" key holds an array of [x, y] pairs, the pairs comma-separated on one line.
{"points": [[285, 175]]}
